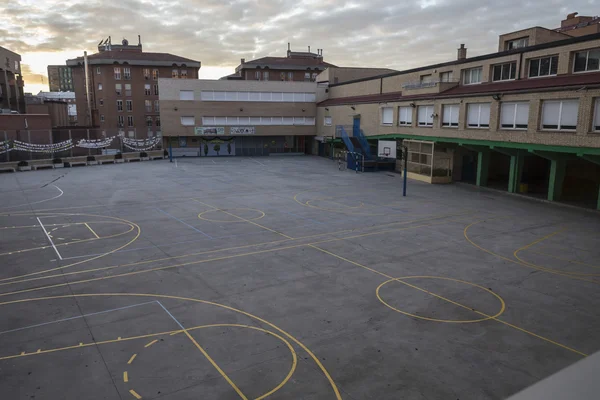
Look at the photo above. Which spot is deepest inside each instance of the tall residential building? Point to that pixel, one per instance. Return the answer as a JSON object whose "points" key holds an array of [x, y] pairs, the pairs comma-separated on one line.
{"points": [[123, 87], [296, 66], [11, 82], [60, 78]]}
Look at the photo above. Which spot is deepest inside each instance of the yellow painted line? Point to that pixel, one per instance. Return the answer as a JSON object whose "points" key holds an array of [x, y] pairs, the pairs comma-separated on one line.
{"points": [[132, 358], [39, 351], [151, 343], [23, 353], [134, 394], [80, 344], [47, 209], [125, 377], [244, 219], [119, 338], [567, 260], [91, 230], [299, 343]]}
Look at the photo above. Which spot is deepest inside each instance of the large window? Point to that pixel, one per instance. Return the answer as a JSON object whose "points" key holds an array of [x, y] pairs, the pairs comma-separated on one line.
{"points": [[405, 116], [175, 74], [504, 72], [210, 95], [478, 115], [517, 43], [265, 75], [118, 89], [184, 74], [156, 89], [117, 71], [120, 120], [387, 116], [472, 75], [99, 86], [241, 121], [588, 60], [155, 74], [146, 73], [149, 121], [148, 105], [544, 66], [127, 73], [446, 76], [130, 120], [119, 105], [147, 90], [186, 95], [560, 114], [327, 121], [128, 89], [129, 105], [156, 106], [425, 116], [514, 115], [188, 121], [450, 115]]}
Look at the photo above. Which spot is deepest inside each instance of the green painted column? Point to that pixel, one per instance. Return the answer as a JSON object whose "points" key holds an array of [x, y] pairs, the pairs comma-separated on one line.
{"points": [[516, 171], [557, 177], [483, 166]]}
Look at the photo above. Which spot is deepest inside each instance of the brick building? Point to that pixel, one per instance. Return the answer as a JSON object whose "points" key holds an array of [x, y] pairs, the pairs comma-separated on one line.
{"points": [[524, 119], [123, 87], [296, 66], [60, 78], [11, 82]]}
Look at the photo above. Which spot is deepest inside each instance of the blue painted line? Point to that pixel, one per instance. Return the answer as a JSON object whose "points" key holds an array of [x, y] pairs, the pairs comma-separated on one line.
{"points": [[185, 223], [171, 315], [78, 317]]}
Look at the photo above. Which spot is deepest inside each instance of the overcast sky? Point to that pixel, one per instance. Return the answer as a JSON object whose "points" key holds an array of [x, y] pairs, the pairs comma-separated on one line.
{"points": [[395, 34]]}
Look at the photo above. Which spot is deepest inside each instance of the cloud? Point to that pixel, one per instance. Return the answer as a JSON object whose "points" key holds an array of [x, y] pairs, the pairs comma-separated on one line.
{"points": [[377, 33]]}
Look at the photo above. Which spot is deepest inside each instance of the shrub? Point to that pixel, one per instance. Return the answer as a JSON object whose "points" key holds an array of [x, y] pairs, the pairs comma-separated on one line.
{"points": [[91, 158], [143, 154], [217, 148], [22, 163], [118, 156], [166, 153], [57, 161]]}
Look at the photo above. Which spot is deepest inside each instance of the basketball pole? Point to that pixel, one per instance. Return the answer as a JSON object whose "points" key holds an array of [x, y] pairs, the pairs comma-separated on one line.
{"points": [[170, 150], [405, 171]]}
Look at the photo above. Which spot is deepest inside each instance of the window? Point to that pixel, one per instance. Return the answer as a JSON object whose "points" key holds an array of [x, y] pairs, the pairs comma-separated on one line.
{"points": [[188, 121], [587, 61], [327, 121], [156, 106], [155, 74], [99, 86], [101, 117], [517, 43], [425, 116], [184, 74], [118, 89], [426, 78], [265, 75], [101, 101], [98, 71], [147, 89], [471, 76], [307, 76], [478, 115], [156, 89], [560, 114], [387, 116], [130, 120], [543, 66], [129, 105], [290, 76], [119, 105], [504, 72], [121, 120], [186, 95], [446, 76], [405, 116], [128, 89], [257, 75], [117, 73], [157, 122], [314, 76], [175, 74], [148, 105], [514, 115], [127, 73], [146, 73], [450, 115]]}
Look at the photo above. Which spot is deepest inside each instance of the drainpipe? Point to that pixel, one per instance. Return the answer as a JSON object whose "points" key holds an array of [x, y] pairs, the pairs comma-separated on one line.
{"points": [[87, 89]]}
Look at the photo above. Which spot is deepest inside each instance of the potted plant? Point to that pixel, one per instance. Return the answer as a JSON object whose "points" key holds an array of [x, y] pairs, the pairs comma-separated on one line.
{"points": [[217, 148], [144, 156], [58, 163], [91, 160], [23, 166], [229, 148], [119, 158], [205, 149]]}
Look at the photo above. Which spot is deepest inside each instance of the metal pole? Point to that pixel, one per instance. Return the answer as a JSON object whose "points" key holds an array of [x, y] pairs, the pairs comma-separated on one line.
{"points": [[6, 141], [405, 171], [170, 149]]}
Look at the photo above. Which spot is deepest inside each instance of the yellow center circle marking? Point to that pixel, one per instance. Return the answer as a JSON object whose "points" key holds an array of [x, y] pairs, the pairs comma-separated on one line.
{"points": [[330, 199], [227, 213], [486, 318]]}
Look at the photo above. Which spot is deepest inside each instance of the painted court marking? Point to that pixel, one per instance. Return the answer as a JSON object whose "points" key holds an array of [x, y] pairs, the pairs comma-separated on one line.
{"points": [[49, 238], [37, 202], [185, 223]]}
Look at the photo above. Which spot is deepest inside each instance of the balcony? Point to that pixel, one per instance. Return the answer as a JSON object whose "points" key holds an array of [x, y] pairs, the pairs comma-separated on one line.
{"points": [[428, 87]]}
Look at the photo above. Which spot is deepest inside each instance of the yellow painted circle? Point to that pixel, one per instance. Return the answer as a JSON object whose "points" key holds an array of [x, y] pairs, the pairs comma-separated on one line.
{"points": [[231, 214], [486, 317]]}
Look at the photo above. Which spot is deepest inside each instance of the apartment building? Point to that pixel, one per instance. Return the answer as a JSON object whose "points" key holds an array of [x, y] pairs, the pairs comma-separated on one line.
{"points": [[60, 78], [526, 119], [11, 82], [297, 66], [123, 87], [240, 117]]}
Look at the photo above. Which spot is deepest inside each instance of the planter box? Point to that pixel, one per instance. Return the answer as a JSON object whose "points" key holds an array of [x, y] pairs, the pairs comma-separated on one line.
{"points": [[92, 163], [27, 168], [145, 158], [61, 165], [119, 161]]}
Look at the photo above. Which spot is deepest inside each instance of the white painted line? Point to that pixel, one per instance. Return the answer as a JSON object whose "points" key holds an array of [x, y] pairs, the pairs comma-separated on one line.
{"points": [[171, 315], [213, 161], [258, 162], [48, 236], [38, 202]]}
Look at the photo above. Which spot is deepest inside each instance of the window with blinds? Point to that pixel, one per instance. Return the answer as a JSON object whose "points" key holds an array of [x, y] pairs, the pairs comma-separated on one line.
{"points": [[596, 126], [235, 121], [214, 95], [387, 116], [450, 115], [186, 95], [425, 116], [514, 115], [188, 121], [405, 116], [560, 114], [478, 115], [327, 121]]}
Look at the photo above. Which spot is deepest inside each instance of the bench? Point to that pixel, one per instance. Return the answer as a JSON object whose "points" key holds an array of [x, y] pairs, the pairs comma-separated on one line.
{"points": [[7, 169], [77, 163], [157, 157], [106, 161], [133, 159], [42, 166]]}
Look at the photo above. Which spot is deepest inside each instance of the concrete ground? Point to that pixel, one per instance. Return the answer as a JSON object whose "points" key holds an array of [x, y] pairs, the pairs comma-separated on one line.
{"points": [[285, 278]]}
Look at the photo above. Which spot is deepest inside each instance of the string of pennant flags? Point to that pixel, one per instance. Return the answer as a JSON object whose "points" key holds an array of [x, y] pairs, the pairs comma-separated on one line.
{"points": [[132, 144]]}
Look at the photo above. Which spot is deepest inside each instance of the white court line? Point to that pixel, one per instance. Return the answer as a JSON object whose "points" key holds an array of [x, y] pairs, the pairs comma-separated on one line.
{"points": [[37, 202], [48, 236], [258, 162]]}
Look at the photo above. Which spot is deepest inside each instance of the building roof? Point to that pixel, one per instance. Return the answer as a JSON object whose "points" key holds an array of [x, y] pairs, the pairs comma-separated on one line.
{"points": [[524, 85], [108, 57], [288, 62]]}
